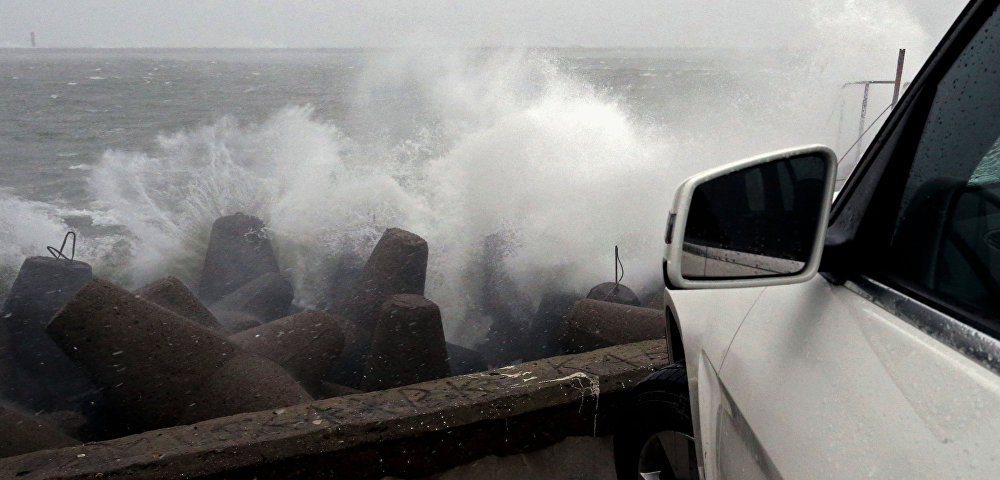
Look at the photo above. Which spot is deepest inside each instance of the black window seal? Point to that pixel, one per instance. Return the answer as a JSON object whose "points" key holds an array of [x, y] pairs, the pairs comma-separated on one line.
{"points": [[975, 344], [966, 314]]}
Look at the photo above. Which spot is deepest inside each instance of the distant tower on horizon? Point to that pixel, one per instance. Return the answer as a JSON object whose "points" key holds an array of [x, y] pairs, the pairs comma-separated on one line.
{"points": [[32, 39]]}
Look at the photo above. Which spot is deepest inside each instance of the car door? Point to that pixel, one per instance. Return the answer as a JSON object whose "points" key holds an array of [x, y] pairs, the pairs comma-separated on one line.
{"points": [[888, 365]]}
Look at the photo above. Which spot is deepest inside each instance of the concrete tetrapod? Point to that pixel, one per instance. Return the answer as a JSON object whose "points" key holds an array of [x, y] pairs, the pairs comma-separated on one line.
{"points": [[159, 369], [463, 360], [266, 297], [331, 390], [398, 264], [47, 379], [594, 324], [341, 271], [408, 344], [304, 344], [234, 322], [239, 251], [614, 293], [23, 434], [505, 304], [656, 299], [347, 369], [8, 370], [172, 294], [548, 324]]}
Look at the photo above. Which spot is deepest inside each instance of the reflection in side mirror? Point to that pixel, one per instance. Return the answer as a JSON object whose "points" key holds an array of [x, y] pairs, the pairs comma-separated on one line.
{"points": [[761, 220]]}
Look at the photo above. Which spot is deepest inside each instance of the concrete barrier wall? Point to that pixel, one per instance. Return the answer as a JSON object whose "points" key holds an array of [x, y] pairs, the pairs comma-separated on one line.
{"points": [[403, 432]]}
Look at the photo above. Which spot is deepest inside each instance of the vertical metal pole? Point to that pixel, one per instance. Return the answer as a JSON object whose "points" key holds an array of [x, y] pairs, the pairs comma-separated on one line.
{"points": [[899, 76], [861, 126]]}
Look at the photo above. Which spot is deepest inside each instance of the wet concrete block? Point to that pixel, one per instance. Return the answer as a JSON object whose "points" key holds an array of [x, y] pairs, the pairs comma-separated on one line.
{"points": [[235, 322], [340, 273], [268, 297], [304, 344], [408, 344], [23, 434], [348, 368], [594, 324], [47, 379], [70, 422], [507, 306], [406, 432], [244, 383], [172, 294], [463, 361], [397, 265], [655, 300], [548, 325], [330, 390], [159, 369], [505, 343], [43, 285], [610, 292], [239, 251], [8, 369]]}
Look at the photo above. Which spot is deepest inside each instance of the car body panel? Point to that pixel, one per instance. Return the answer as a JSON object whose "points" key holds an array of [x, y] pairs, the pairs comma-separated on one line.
{"points": [[706, 338], [917, 408]]}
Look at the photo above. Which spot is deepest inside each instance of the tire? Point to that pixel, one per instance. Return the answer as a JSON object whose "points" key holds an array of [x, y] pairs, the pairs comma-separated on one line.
{"points": [[654, 431]]}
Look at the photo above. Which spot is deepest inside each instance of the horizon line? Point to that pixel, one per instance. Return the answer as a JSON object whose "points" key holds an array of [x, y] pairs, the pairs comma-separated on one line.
{"points": [[633, 47]]}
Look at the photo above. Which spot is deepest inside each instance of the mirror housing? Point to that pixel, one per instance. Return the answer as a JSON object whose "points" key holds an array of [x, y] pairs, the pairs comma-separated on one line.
{"points": [[756, 222]]}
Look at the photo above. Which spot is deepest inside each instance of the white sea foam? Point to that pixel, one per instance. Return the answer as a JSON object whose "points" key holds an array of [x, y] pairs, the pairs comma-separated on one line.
{"points": [[26, 228], [484, 145]]}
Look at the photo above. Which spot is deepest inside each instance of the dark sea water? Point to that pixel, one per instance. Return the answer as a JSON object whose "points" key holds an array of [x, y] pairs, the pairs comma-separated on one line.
{"points": [[563, 153]]}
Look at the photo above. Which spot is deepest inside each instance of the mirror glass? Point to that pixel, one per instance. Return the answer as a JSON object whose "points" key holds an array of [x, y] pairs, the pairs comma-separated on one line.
{"points": [[757, 221]]}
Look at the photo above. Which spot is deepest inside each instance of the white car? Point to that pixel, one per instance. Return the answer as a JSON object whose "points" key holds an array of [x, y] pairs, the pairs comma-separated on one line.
{"points": [[884, 365]]}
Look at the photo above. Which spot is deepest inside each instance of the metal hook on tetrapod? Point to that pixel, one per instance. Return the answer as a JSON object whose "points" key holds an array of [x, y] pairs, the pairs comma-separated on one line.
{"points": [[59, 253], [618, 263], [618, 278]]}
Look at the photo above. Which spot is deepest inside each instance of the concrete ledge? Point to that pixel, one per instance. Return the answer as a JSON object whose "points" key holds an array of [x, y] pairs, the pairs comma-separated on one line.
{"points": [[408, 431]]}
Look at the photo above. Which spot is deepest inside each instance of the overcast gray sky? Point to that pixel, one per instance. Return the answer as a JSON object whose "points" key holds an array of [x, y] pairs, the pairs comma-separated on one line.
{"points": [[350, 23]]}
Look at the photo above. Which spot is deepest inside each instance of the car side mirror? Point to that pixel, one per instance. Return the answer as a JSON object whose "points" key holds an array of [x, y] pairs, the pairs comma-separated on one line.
{"points": [[757, 222]]}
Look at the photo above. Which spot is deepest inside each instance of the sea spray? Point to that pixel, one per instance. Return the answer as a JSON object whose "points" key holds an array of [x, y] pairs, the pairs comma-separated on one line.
{"points": [[460, 145], [509, 145], [27, 227]]}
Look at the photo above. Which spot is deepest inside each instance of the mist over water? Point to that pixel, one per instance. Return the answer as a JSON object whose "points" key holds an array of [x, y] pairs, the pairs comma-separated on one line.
{"points": [[561, 155]]}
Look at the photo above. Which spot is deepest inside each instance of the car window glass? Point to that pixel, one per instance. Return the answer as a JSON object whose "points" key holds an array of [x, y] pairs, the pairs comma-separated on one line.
{"points": [[947, 233], [988, 170], [755, 189]]}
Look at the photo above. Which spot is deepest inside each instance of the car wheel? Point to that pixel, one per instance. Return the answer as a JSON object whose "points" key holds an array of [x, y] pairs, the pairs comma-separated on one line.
{"points": [[653, 436]]}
